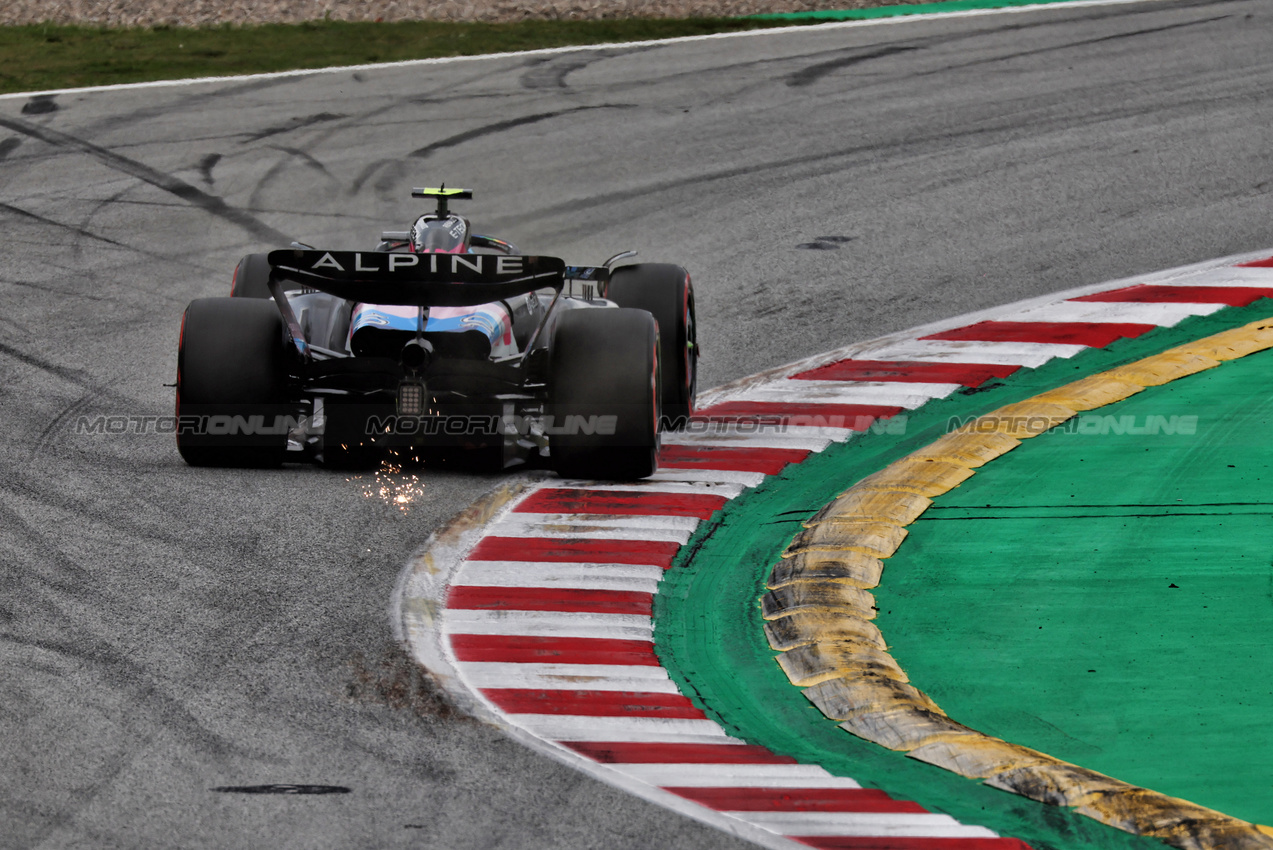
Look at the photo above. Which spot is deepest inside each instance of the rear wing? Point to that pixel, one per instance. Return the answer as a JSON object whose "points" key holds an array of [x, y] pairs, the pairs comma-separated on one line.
{"points": [[418, 280], [421, 280]]}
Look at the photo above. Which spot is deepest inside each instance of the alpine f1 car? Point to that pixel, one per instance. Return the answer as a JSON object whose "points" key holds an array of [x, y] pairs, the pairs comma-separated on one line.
{"points": [[440, 343]]}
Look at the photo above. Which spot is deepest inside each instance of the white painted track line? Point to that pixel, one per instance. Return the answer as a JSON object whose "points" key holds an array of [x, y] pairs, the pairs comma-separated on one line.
{"points": [[738, 776], [1165, 315], [651, 730], [549, 624], [641, 577], [595, 677]]}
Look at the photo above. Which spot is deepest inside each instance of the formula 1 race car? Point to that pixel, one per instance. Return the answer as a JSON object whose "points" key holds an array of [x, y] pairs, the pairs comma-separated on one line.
{"points": [[440, 344]]}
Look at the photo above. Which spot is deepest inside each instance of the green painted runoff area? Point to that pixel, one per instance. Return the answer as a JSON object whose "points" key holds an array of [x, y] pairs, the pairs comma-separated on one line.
{"points": [[708, 628], [1107, 597]]}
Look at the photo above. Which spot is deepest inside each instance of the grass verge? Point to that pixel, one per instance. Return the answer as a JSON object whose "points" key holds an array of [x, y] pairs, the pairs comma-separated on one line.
{"points": [[43, 57]]}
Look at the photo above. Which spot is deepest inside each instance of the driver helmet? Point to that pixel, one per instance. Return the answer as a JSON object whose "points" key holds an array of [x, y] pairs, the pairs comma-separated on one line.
{"points": [[433, 235]]}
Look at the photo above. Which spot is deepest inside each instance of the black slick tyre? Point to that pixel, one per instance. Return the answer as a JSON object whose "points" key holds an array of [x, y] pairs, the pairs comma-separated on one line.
{"points": [[665, 292], [604, 394], [232, 384], [252, 277]]}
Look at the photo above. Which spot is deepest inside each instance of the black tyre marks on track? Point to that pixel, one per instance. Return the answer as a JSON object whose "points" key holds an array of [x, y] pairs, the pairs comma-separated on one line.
{"points": [[211, 204], [810, 75], [41, 104], [503, 127], [551, 72], [297, 123], [255, 200], [282, 789], [78, 231], [552, 75], [1089, 42], [206, 165]]}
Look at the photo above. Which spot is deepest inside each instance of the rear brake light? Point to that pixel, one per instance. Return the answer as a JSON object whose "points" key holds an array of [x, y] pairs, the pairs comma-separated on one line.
{"points": [[410, 398]]}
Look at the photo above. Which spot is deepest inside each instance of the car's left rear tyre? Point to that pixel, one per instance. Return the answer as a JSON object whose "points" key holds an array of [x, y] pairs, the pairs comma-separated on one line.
{"points": [[232, 407], [604, 388]]}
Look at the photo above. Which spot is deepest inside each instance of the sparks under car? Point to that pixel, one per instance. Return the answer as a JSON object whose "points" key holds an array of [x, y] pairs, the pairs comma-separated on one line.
{"points": [[440, 343]]}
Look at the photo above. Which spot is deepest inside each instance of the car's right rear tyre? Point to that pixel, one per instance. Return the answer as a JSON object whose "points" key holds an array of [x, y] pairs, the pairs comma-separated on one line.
{"points": [[665, 292], [252, 277], [232, 407], [604, 387]]}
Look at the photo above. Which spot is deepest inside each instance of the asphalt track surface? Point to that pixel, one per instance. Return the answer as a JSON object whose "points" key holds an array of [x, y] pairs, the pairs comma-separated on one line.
{"points": [[168, 632]]}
